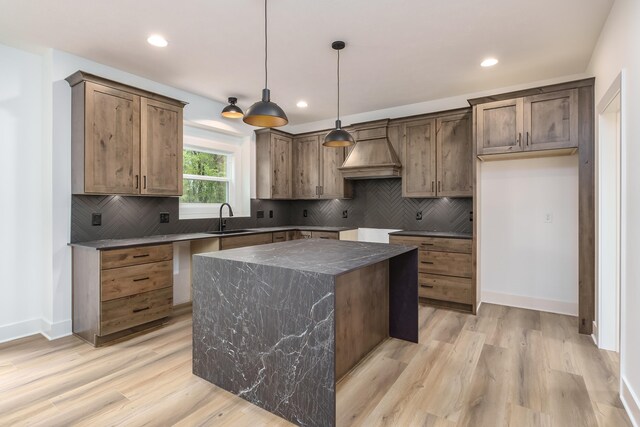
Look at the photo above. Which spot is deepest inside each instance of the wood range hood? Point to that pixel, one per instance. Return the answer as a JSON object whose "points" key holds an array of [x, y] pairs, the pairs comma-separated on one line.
{"points": [[373, 155]]}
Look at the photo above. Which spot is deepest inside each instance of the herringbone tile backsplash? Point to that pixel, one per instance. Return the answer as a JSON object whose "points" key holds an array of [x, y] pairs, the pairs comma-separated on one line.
{"points": [[376, 204]]}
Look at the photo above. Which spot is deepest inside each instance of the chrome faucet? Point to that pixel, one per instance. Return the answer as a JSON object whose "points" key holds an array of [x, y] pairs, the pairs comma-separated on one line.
{"points": [[222, 223]]}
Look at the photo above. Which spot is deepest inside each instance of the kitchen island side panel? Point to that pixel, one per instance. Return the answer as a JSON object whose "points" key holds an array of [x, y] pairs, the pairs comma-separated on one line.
{"points": [[272, 345], [403, 296]]}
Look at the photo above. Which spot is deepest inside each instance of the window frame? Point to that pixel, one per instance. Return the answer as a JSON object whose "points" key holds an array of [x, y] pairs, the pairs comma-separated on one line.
{"points": [[211, 142]]}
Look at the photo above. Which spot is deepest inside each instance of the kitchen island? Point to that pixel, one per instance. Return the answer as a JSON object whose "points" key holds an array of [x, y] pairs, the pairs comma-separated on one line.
{"points": [[280, 324]]}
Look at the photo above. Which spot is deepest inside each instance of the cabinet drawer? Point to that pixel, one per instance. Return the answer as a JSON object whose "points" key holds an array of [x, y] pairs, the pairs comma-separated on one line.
{"points": [[325, 235], [122, 313], [138, 255], [446, 288], [247, 240], [445, 263], [135, 279], [440, 244], [279, 236]]}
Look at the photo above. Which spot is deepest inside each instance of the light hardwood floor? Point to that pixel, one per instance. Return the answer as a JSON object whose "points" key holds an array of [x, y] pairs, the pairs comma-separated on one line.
{"points": [[504, 367]]}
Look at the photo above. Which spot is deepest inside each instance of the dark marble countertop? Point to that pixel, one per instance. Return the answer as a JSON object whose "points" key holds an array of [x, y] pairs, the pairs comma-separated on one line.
{"points": [[170, 238], [446, 234], [332, 257]]}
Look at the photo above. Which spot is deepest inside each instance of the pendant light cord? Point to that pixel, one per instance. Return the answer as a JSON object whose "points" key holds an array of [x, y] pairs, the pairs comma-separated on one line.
{"points": [[265, 44], [338, 85]]}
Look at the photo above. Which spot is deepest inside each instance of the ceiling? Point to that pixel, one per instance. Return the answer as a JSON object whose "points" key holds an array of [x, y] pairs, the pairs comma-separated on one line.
{"points": [[398, 52]]}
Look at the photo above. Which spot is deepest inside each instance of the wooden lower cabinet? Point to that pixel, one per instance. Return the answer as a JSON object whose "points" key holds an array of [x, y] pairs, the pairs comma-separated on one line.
{"points": [[120, 291], [280, 236], [325, 235], [233, 242], [445, 270]]}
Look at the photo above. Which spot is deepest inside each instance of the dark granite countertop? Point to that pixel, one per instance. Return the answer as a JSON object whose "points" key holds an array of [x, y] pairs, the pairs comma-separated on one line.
{"points": [[332, 257], [446, 234], [170, 238]]}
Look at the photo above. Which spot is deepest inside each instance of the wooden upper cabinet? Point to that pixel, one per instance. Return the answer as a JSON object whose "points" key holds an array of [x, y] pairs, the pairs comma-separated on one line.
{"points": [[551, 120], [454, 156], [281, 163], [332, 184], [124, 140], [306, 162], [499, 126], [161, 148], [546, 121], [111, 137], [274, 160], [419, 159]]}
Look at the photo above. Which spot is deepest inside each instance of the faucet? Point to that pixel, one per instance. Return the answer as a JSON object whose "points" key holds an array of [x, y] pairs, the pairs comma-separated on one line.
{"points": [[220, 216]]}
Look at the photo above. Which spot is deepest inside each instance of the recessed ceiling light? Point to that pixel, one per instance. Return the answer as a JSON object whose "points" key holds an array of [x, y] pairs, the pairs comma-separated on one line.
{"points": [[157, 40], [302, 104], [489, 62]]}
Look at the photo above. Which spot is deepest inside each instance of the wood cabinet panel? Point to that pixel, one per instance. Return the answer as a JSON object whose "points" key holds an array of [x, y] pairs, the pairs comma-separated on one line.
{"points": [[445, 263], [281, 166], [454, 156], [332, 184], [161, 148], [306, 161], [111, 163], [325, 235], [551, 120], [280, 236], [499, 126], [123, 313], [440, 244], [135, 279], [246, 240], [419, 162], [136, 255], [446, 288]]}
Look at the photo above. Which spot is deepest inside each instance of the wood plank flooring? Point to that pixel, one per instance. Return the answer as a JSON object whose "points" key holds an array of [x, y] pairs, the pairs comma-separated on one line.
{"points": [[504, 367]]}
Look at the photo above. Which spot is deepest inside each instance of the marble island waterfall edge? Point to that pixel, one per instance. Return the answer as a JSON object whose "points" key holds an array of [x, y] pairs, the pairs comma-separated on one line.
{"points": [[264, 326]]}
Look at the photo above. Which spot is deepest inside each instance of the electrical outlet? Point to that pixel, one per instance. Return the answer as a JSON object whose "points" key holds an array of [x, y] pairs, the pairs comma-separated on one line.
{"points": [[304, 213], [164, 217], [419, 216], [270, 214], [345, 214], [96, 219], [548, 218], [260, 214]]}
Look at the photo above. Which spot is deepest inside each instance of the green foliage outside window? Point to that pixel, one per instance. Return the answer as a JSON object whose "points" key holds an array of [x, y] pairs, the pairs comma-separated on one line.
{"points": [[205, 165]]}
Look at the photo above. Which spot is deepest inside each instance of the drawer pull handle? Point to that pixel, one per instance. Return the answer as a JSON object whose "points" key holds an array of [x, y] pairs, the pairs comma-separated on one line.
{"points": [[426, 262], [141, 256], [426, 286], [138, 310], [141, 279], [427, 244]]}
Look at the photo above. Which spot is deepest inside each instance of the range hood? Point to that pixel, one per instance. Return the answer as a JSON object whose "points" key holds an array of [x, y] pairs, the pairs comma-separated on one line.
{"points": [[373, 155]]}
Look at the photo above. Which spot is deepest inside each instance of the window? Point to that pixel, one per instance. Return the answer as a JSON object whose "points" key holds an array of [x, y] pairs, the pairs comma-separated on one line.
{"points": [[206, 177], [212, 168]]}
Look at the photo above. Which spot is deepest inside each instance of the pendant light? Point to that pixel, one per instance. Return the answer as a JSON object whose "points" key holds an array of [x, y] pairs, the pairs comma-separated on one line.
{"points": [[338, 137], [265, 113], [232, 111]]}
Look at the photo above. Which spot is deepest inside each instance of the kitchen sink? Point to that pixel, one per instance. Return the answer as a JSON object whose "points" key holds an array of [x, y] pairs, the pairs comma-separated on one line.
{"points": [[221, 233]]}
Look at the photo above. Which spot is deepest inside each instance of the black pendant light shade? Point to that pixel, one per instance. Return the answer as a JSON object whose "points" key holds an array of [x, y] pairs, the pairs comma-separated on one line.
{"points": [[232, 111], [265, 113], [338, 137]]}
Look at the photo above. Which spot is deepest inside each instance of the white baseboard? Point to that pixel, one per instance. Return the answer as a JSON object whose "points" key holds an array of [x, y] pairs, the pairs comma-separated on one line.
{"points": [[17, 330], [56, 330], [552, 306], [630, 401], [51, 331]]}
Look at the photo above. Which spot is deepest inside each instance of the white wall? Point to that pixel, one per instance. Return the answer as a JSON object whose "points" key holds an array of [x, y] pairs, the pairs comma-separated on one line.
{"points": [[527, 261], [22, 211], [616, 51]]}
